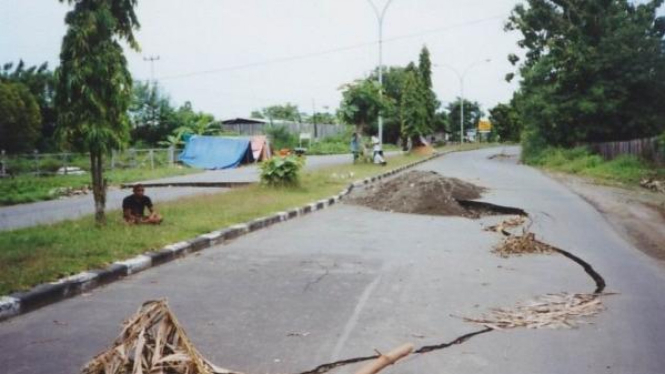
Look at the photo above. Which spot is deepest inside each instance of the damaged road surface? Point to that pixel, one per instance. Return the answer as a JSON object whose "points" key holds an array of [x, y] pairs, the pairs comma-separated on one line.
{"points": [[339, 284]]}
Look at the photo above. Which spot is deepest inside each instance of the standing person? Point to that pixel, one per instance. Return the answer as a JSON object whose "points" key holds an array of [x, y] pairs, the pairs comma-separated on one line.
{"points": [[355, 146], [133, 207], [377, 151]]}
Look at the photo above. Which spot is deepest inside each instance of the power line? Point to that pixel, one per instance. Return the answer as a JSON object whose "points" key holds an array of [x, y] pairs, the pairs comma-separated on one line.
{"points": [[330, 51]]}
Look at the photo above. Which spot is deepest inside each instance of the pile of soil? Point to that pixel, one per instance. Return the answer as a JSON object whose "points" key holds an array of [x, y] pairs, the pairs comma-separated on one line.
{"points": [[420, 192]]}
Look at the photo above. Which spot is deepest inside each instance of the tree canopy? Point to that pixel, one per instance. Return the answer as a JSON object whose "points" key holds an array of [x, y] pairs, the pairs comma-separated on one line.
{"points": [[20, 119], [40, 81], [594, 70], [361, 103], [472, 115], [506, 122]]}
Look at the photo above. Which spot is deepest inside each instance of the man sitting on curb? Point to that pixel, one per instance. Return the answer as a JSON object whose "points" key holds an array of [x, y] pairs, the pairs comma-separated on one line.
{"points": [[133, 207]]}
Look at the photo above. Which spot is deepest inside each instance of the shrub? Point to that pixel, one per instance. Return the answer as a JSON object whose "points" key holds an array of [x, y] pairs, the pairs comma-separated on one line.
{"points": [[280, 137], [281, 171]]}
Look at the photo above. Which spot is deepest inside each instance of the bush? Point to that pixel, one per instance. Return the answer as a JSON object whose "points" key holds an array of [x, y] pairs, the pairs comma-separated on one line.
{"points": [[280, 137], [282, 171]]}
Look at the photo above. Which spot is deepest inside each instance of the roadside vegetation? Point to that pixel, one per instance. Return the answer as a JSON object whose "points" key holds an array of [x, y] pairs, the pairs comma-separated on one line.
{"points": [[47, 252], [625, 169], [27, 188]]}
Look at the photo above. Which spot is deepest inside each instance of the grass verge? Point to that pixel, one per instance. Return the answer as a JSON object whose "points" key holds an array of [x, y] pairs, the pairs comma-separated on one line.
{"points": [[44, 253], [627, 169], [28, 189]]}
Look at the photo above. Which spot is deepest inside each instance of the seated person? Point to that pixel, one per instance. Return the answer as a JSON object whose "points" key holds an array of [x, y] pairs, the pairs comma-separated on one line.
{"points": [[133, 208], [378, 152]]}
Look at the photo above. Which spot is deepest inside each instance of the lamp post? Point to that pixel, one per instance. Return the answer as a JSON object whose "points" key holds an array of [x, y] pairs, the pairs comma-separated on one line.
{"points": [[461, 82], [380, 15]]}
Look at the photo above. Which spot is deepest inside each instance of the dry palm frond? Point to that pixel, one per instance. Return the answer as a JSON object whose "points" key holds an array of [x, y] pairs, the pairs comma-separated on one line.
{"points": [[152, 341], [519, 245], [507, 224], [553, 311]]}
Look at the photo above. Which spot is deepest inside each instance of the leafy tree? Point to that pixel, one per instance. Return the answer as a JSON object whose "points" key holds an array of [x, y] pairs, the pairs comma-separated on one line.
{"points": [[429, 97], [94, 85], [323, 118], [472, 115], [287, 112], [256, 114], [393, 83], [413, 109], [506, 122], [195, 123], [361, 103], [20, 119], [40, 81], [594, 70], [152, 115]]}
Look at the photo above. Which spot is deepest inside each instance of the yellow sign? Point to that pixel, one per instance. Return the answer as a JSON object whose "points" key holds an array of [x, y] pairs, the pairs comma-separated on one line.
{"points": [[484, 126]]}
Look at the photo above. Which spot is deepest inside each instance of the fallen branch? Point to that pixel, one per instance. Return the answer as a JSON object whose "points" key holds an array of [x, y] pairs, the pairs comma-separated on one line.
{"points": [[385, 360]]}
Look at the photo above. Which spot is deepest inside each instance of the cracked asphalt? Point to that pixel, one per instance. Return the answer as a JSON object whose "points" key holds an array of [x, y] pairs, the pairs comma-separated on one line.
{"points": [[342, 282]]}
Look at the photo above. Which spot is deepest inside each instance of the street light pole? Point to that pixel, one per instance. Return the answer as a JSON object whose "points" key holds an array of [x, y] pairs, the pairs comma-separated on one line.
{"points": [[380, 15], [461, 82]]}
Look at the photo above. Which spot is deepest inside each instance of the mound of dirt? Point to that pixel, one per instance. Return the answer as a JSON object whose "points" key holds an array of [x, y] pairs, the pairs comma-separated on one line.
{"points": [[420, 192]]}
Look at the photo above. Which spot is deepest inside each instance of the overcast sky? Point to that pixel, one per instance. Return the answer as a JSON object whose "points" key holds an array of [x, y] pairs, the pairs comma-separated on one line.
{"points": [[229, 57]]}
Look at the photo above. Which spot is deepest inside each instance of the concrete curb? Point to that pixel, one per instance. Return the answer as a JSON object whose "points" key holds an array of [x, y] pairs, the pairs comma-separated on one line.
{"points": [[49, 293]]}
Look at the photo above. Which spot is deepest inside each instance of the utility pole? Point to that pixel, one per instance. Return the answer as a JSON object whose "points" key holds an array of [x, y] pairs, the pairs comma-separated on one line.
{"points": [[380, 16], [461, 82], [316, 133], [152, 60]]}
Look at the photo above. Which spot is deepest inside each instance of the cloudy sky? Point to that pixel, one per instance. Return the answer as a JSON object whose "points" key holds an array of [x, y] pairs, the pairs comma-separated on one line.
{"points": [[229, 57]]}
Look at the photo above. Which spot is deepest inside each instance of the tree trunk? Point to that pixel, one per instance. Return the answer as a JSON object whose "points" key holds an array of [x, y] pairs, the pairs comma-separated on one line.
{"points": [[98, 185], [360, 128]]}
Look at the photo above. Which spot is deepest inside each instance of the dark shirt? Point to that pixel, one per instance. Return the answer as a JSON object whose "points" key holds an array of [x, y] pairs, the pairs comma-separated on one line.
{"points": [[136, 204]]}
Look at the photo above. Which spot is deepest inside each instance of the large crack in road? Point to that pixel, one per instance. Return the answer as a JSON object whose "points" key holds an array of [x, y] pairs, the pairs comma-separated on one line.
{"points": [[479, 206]]}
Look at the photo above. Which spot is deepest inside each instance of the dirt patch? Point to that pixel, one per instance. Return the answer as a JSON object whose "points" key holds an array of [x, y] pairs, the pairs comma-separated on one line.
{"points": [[637, 214], [420, 192]]}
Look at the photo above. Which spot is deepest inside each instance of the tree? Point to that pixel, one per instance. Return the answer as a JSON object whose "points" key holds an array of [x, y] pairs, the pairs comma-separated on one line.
{"points": [[40, 81], [194, 123], [94, 87], [393, 83], [287, 112], [152, 116], [472, 115], [413, 109], [323, 118], [361, 103], [506, 122], [256, 114], [594, 70], [20, 119], [429, 97]]}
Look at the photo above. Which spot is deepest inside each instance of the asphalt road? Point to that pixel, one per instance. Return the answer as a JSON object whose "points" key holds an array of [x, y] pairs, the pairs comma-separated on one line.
{"points": [[347, 280], [44, 212]]}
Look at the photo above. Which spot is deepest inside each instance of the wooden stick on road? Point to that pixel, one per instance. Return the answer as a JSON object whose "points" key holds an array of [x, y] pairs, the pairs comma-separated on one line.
{"points": [[388, 359]]}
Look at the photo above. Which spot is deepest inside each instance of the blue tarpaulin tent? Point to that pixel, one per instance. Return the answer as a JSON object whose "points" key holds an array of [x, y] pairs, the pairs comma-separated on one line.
{"points": [[216, 152]]}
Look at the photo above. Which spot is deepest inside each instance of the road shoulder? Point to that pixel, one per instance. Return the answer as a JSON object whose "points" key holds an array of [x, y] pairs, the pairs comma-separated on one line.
{"points": [[637, 215]]}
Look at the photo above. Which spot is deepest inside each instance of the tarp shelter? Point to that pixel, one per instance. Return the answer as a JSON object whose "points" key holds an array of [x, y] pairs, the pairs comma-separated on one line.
{"points": [[216, 152], [260, 148]]}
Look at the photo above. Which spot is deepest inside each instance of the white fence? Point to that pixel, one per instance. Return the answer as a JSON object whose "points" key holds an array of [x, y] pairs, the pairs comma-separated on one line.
{"points": [[70, 163]]}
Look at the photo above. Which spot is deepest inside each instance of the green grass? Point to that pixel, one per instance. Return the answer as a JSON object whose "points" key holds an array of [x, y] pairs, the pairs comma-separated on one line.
{"points": [[579, 161], [27, 188], [44, 253]]}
